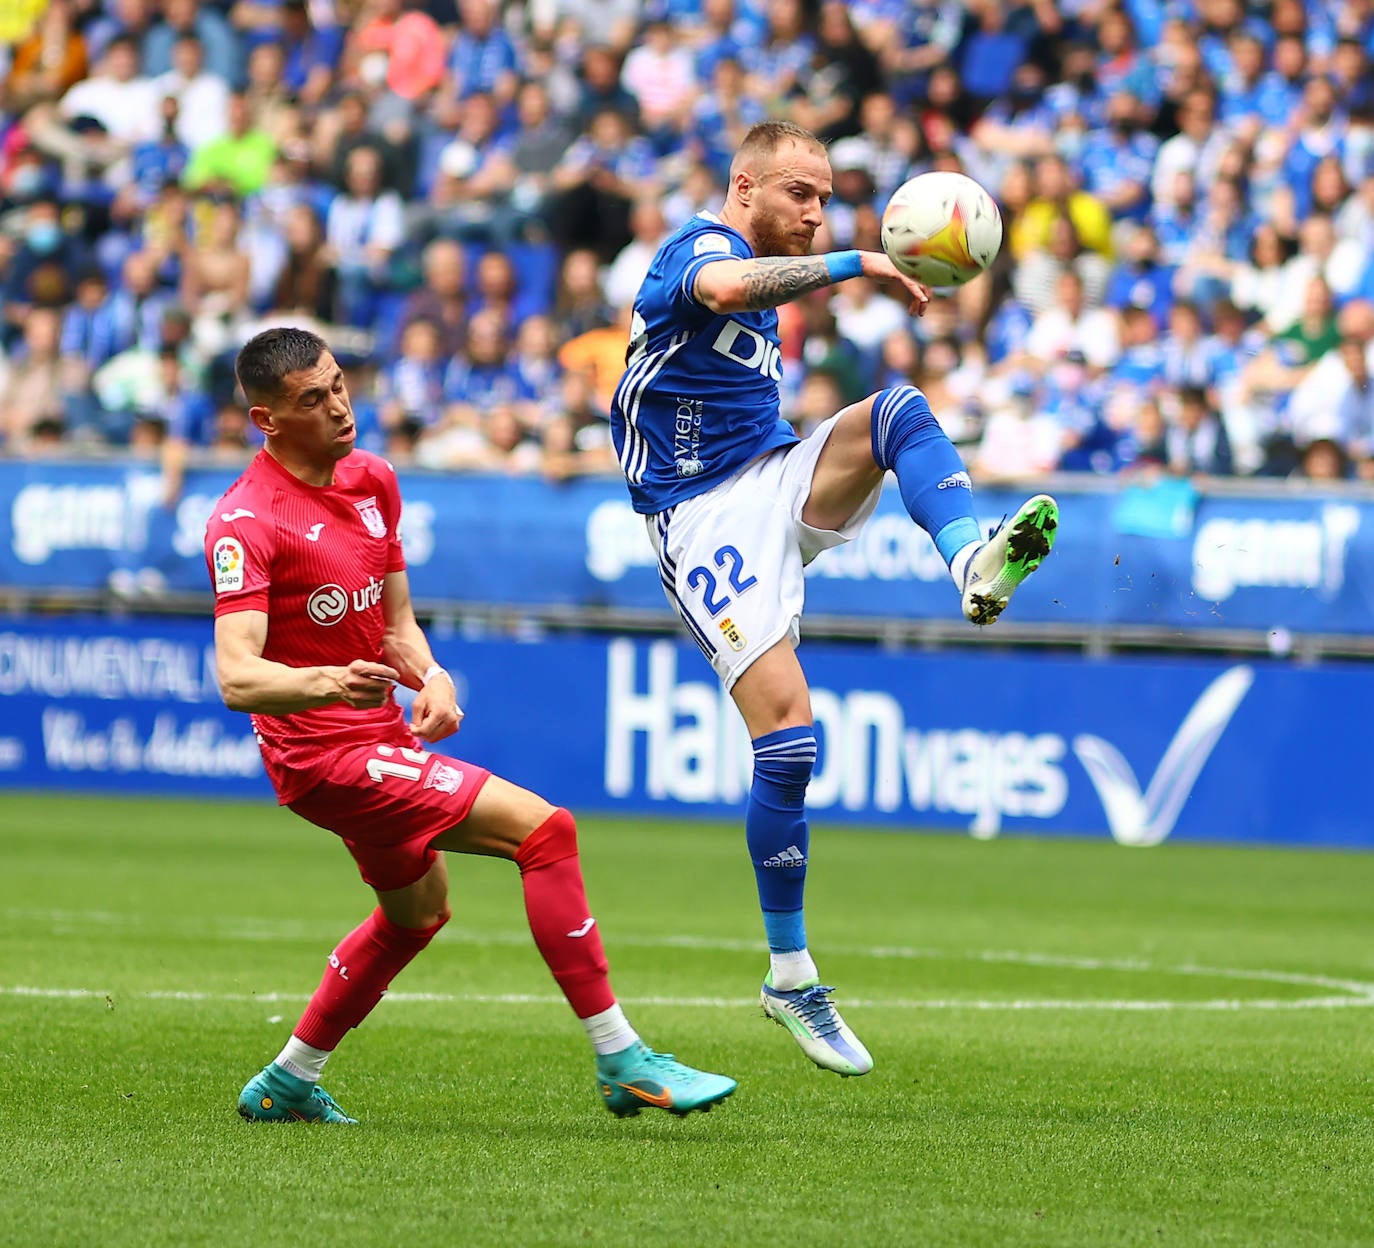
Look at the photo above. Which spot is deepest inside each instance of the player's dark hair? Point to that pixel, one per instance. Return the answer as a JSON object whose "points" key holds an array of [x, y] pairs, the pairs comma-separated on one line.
{"points": [[764, 139], [267, 358]]}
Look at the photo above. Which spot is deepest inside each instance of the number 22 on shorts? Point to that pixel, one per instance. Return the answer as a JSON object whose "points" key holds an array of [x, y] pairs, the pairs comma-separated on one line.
{"points": [[701, 576]]}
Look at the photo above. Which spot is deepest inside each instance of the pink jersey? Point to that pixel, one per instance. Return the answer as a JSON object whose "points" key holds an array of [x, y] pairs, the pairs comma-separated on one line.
{"points": [[314, 558]]}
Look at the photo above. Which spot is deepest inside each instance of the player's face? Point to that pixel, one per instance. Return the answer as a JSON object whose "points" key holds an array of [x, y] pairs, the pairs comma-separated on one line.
{"points": [[311, 424], [790, 195]]}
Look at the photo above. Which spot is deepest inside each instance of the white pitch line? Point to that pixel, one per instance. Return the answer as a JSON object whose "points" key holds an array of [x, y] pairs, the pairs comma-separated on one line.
{"points": [[714, 1003], [266, 930]]}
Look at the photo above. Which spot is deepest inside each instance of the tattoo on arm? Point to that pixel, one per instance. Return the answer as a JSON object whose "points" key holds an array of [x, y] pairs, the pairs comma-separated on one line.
{"points": [[775, 280]]}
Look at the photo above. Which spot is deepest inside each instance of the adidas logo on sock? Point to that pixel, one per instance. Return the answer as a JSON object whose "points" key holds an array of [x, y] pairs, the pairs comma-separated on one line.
{"points": [[956, 481], [790, 857]]}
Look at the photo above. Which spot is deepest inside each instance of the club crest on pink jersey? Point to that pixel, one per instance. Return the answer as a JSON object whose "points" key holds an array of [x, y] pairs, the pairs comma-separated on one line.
{"points": [[444, 778], [373, 519]]}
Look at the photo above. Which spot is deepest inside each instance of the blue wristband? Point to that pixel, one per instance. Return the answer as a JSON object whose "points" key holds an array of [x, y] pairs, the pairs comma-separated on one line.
{"points": [[842, 265]]}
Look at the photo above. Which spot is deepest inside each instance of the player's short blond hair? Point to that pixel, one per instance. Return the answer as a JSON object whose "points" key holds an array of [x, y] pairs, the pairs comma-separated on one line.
{"points": [[763, 140]]}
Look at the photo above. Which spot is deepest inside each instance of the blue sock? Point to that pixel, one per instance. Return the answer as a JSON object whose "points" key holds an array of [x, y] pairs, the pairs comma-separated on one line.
{"points": [[935, 486], [775, 827]]}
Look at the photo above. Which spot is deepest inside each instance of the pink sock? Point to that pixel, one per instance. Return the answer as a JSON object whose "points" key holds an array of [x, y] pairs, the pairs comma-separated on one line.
{"points": [[556, 903], [359, 971]]}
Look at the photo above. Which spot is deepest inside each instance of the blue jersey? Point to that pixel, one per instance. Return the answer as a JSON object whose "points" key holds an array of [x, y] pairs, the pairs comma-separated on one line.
{"points": [[699, 397]]}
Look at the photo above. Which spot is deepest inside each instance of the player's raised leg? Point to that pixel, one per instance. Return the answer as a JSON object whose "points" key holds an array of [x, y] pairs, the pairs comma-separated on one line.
{"points": [[507, 821], [895, 430], [773, 698]]}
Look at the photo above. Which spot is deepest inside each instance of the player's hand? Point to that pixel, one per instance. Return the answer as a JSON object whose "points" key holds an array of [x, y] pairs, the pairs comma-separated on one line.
{"points": [[365, 685], [881, 269], [435, 714]]}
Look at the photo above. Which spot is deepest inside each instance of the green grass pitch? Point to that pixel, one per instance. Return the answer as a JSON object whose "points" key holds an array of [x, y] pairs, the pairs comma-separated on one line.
{"points": [[1076, 1044]]}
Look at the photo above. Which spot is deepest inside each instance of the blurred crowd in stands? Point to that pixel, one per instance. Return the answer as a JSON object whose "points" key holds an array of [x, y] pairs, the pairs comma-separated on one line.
{"points": [[464, 195]]}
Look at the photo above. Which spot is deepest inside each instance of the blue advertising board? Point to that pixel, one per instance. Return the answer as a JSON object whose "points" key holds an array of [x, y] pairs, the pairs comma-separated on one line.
{"points": [[1138, 750], [1158, 557]]}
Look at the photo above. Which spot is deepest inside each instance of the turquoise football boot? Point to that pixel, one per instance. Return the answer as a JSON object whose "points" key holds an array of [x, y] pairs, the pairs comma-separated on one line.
{"points": [[272, 1095], [637, 1077]]}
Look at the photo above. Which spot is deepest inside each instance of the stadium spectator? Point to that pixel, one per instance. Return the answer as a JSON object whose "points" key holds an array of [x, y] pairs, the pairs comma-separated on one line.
{"points": [[601, 175], [138, 381], [348, 127], [509, 444], [721, 116], [658, 73], [600, 90], [1019, 440], [1037, 277], [609, 24], [1140, 279], [579, 303], [440, 298], [306, 282], [496, 288], [887, 145], [215, 273], [187, 19], [270, 104], [48, 63], [535, 361], [240, 160], [843, 70], [411, 387], [482, 60], [475, 176], [866, 316], [482, 377], [1056, 198], [155, 163], [815, 400], [400, 47], [598, 356], [31, 395], [1323, 459], [648, 229], [1069, 325], [311, 48], [576, 441], [363, 230], [99, 119], [1196, 438], [537, 143], [1335, 398], [1257, 285], [41, 265]]}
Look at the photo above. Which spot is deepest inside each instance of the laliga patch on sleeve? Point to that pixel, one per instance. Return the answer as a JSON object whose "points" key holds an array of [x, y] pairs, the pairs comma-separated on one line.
{"points": [[228, 560], [710, 242]]}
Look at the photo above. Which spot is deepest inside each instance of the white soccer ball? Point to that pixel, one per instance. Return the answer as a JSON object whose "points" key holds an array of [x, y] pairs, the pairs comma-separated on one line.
{"points": [[942, 228]]}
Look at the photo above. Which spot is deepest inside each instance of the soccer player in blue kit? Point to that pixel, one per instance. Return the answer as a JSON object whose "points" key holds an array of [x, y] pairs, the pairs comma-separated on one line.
{"points": [[736, 504]]}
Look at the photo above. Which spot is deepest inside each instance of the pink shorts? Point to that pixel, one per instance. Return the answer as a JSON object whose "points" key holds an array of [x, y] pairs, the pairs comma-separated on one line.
{"points": [[387, 803]]}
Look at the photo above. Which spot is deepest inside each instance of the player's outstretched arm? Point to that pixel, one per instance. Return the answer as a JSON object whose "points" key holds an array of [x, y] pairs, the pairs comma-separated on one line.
{"points": [[248, 682], [435, 713], [726, 286]]}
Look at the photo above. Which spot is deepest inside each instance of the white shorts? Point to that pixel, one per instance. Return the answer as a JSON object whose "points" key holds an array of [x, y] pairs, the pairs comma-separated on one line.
{"points": [[731, 559]]}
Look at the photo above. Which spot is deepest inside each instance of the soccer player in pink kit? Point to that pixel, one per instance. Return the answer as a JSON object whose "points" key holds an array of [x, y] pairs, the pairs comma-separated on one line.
{"points": [[313, 630]]}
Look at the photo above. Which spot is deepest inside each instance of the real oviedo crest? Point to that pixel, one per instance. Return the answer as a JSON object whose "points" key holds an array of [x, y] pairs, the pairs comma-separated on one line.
{"points": [[373, 520]]}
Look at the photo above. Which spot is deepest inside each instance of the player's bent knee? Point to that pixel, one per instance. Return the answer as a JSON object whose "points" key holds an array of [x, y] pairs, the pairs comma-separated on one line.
{"points": [[785, 760], [552, 841]]}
